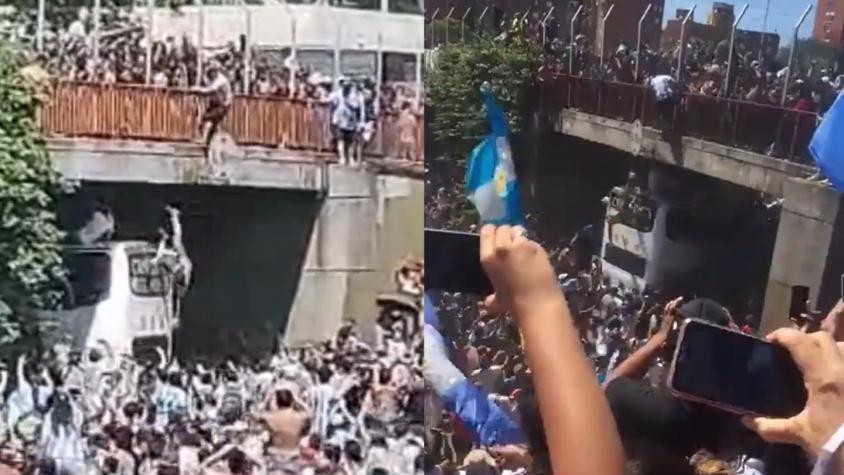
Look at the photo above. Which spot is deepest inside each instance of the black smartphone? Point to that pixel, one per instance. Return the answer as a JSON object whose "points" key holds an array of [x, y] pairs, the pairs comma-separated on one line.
{"points": [[738, 373], [453, 263]]}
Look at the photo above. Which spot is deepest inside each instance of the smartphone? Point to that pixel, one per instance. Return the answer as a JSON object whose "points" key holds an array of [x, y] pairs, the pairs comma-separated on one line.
{"points": [[453, 263], [734, 372]]}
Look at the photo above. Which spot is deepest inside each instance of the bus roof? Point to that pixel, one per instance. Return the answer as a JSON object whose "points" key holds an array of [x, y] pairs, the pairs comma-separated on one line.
{"points": [[106, 246]]}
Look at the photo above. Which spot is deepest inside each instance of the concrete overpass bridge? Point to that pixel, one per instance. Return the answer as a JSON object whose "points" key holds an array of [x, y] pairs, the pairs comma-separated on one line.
{"points": [[756, 146], [283, 237]]}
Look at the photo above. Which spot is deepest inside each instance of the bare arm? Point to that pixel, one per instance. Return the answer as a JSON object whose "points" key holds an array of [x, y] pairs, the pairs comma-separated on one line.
{"points": [[20, 371], [637, 364], [576, 416]]}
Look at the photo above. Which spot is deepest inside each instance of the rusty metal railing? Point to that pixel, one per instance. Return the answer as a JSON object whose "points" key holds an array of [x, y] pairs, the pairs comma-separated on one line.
{"points": [[780, 132], [164, 114]]}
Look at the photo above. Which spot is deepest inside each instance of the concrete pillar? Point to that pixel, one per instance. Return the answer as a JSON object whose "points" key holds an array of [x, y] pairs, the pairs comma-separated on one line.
{"points": [[367, 224], [808, 251], [340, 255]]}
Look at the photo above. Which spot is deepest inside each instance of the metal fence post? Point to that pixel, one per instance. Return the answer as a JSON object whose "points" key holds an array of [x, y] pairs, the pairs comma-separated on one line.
{"points": [[524, 17], [448, 24], [97, 12], [571, 39], [150, 11], [200, 40], [544, 26], [604, 34], [683, 42], [639, 40], [791, 54], [726, 89], [481, 19], [463, 25], [433, 20], [247, 49], [39, 34]]}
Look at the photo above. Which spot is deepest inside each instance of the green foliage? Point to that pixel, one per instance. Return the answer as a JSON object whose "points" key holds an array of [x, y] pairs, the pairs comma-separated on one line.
{"points": [[30, 259], [456, 115], [510, 65]]}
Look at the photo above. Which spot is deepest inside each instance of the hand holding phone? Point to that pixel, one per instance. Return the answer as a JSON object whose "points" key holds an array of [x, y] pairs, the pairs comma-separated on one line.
{"points": [[822, 369], [452, 263], [735, 372]]}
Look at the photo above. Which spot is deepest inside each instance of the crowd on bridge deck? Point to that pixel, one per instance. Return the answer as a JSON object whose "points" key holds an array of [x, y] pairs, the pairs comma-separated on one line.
{"points": [[339, 407], [754, 77], [68, 52]]}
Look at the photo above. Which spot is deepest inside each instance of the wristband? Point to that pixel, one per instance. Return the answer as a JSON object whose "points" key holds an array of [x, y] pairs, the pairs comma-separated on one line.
{"points": [[828, 450]]}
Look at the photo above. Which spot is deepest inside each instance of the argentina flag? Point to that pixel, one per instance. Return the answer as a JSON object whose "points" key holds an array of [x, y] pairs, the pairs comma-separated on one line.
{"points": [[491, 174], [488, 423], [827, 146]]}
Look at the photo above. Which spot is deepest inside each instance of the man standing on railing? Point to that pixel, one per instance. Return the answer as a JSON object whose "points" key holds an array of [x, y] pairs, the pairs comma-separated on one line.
{"points": [[346, 117], [219, 101]]}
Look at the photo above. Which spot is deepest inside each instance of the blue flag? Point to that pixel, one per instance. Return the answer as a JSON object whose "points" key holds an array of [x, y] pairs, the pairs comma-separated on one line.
{"points": [[491, 174], [827, 146], [488, 423]]}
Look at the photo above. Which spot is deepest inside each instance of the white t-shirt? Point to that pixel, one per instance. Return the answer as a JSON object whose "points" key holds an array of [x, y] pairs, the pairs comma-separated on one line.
{"points": [[662, 86], [77, 28], [160, 79]]}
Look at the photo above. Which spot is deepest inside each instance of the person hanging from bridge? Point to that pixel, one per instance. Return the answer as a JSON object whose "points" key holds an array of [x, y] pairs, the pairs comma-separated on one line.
{"points": [[220, 97]]}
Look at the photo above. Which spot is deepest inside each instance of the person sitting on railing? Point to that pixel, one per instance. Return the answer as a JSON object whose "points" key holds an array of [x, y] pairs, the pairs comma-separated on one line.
{"points": [[220, 99]]}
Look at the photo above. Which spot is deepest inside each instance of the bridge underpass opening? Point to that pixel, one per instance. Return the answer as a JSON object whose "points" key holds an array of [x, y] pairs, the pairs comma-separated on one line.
{"points": [[712, 238], [247, 246]]}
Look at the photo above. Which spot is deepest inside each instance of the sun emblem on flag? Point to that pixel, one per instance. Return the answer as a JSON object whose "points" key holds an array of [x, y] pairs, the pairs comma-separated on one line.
{"points": [[500, 180]]}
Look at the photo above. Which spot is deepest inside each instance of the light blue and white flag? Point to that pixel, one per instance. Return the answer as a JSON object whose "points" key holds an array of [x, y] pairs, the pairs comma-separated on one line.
{"points": [[489, 424], [491, 174], [827, 146]]}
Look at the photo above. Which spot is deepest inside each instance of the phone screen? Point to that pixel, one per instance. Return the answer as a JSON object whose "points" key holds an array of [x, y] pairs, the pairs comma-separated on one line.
{"points": [[453, 263], [736, 372]]}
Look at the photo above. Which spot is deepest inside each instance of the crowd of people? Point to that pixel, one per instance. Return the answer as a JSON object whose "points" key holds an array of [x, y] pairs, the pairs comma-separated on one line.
{"points": [[120, 56], [338, 407], [628, 336], [754, 76]]}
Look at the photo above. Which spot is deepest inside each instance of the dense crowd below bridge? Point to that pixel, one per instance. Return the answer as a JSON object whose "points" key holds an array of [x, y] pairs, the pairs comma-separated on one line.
{"points": [[340, 407]]}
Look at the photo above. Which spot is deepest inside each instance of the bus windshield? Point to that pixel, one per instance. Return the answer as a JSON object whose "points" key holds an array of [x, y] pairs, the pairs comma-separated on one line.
{"points": [[634, 210], [146, 279], [89, 276]]}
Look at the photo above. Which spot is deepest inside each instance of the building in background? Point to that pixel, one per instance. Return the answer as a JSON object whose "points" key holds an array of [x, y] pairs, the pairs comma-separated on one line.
{"points": [[829, 22], [717, 31], [622, 25]]}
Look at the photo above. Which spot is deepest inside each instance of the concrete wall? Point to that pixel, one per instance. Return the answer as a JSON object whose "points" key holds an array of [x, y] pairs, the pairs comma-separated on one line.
{"points": [[741, 167], [366, 225], [808, 251]]}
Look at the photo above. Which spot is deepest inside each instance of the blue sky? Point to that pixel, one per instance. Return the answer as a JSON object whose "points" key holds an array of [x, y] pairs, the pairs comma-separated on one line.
{"points": [[781, 18]]}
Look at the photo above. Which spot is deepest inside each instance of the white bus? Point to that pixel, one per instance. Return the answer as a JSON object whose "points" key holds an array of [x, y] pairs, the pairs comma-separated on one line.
{"points": [[628, 242], [119, 297]]}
